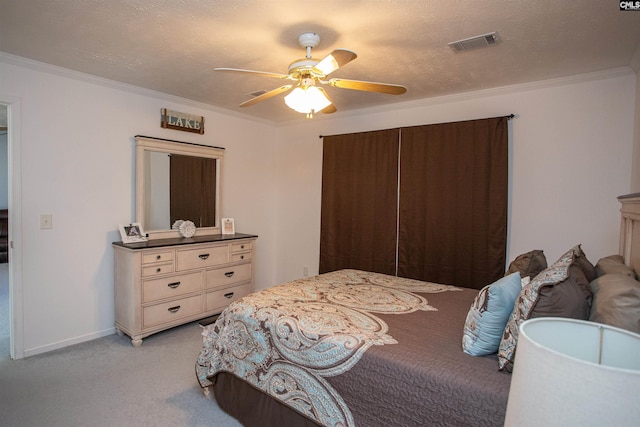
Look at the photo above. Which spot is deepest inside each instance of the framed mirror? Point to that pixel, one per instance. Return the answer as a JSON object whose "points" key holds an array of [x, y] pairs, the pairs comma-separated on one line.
{"points": [[177, 180]]}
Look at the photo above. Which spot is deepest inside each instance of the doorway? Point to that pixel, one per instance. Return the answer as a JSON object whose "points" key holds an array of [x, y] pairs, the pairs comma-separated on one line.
{"points": [[12, 319], [5, 317]]}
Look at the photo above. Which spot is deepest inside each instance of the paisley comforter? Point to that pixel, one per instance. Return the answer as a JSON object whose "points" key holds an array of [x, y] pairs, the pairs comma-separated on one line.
{"points": [[309, 342]]}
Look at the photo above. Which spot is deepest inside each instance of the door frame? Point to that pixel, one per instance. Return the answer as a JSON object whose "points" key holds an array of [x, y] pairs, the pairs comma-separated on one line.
{"points": [[14, 156]]}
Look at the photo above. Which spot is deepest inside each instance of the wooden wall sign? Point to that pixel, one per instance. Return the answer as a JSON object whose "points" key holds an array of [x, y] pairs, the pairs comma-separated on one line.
{"points": [[181, 121]]}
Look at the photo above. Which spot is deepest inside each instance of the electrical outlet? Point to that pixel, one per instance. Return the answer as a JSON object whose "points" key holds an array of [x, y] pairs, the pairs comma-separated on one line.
{"points": [[305, 271], [46, 221]]}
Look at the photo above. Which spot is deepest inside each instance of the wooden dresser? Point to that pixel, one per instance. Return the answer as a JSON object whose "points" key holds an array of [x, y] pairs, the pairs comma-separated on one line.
{"points": [[163, 283]]}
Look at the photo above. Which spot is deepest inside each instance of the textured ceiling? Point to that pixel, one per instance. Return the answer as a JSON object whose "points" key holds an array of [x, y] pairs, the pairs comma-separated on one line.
{"points": [[172, 46]]}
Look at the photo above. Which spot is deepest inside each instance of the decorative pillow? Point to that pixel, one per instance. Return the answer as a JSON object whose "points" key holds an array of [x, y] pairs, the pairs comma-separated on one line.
{"points": [[570, 298], [616, 301], [614, 264], [529, 297], [529, 264], [488, 315], [585, 265]]}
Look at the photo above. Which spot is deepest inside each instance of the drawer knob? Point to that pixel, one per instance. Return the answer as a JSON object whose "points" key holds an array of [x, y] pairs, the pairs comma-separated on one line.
{"points": [[174, 309], [241, 256], [173, 285], [158, 270], [203, 256], [241, 246], [229, 273], [229, 295], [158, 256]]}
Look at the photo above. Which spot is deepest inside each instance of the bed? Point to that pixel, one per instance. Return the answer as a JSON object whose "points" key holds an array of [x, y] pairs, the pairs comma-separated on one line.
{"points": [[355, 348]]}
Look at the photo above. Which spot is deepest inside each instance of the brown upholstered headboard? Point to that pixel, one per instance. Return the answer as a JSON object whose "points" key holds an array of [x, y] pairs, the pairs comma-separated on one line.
{"points": [[630, 230]]}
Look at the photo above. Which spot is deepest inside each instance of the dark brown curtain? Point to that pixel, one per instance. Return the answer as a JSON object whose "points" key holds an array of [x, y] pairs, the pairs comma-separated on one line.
{"points": [[192, 190], [453, 202], [359, 202]]}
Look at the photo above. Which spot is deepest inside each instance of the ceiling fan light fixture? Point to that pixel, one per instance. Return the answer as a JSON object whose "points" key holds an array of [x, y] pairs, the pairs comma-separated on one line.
{"points": [[307, 100]]}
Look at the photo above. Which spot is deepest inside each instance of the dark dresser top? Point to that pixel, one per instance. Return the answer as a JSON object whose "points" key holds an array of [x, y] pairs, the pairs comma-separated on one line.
{"points": [[175, 241]]}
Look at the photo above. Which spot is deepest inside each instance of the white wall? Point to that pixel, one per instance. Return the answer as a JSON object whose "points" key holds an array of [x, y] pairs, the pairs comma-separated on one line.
{"points": [[77, 164], [571, 158]]}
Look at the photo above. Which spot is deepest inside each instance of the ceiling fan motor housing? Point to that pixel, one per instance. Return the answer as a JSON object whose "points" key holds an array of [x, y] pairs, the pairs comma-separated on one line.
{"points": [[300, 67]]}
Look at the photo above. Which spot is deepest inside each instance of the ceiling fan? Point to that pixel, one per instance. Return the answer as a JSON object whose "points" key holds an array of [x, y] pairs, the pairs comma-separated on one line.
{"points": [[307, 97]]}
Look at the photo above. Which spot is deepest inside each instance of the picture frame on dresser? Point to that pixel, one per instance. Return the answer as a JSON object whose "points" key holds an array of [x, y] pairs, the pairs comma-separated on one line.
{"points": [[228, 226], [132, 233]]}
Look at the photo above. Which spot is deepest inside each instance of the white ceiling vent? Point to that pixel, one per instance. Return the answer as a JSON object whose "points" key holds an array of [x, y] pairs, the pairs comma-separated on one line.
{"points": [[474, 42]]}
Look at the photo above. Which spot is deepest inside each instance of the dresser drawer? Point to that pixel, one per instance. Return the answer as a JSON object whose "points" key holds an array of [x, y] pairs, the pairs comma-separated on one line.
{"points": [[156, 269], [204, 257], [168, 287], [242, 256], [158, 314], [244, 246], [228, 275], [224, 297], [159, 257]]}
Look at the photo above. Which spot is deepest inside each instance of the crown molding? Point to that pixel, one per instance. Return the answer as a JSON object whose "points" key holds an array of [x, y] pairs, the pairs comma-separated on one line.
{"points": [[425, 102], [112, 84], [518, 88], [503, 90]]}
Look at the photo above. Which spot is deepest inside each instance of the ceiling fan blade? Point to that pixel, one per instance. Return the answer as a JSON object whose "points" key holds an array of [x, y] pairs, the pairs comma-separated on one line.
{"points": [[259, 73], [335, 60], [368, 86], [331, 108], [266, 95]]}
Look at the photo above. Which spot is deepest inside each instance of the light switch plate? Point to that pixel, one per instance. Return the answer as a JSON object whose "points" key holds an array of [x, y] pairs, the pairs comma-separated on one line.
{"points": [[46, 221]]}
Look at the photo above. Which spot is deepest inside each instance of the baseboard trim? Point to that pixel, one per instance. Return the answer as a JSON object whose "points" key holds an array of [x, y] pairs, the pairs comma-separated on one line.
{"points": [[66, 343]]}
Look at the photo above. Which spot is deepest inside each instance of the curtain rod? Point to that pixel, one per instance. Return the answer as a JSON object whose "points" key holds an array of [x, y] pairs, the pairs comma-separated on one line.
{"points": [[509, 117]]}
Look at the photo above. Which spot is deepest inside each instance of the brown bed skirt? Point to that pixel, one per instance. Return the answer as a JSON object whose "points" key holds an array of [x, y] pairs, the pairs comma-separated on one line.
{"points": [[252, 407]]}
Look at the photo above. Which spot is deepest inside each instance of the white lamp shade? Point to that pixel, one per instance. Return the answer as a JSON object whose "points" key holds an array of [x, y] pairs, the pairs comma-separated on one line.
{"points": [[574, 373], [308, 100]]}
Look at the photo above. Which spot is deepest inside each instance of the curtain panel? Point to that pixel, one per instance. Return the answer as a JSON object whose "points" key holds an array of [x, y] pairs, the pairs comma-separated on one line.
{"points": [[359, 202], [453, 202], [424, 202]]}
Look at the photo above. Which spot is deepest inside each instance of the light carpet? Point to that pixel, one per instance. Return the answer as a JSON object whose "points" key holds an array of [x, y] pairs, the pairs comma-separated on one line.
{"points": [[107, 382]]}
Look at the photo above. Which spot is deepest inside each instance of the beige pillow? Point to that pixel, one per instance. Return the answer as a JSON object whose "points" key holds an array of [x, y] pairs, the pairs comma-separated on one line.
{"points": [[614, 264], [616, 301]]}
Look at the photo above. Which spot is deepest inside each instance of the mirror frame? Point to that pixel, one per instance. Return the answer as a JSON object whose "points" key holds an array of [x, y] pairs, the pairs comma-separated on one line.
{"points": [[148, 144]]}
